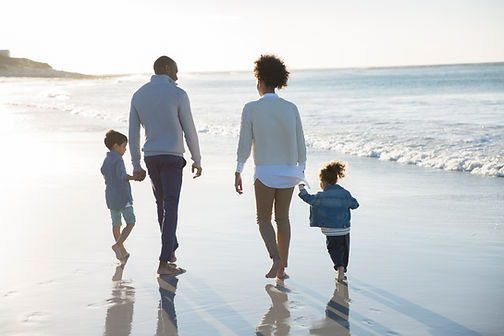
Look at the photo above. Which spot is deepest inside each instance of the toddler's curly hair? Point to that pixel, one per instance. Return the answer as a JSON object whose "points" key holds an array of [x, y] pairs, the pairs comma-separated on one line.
{"points": [[272, 71], [332, 172]]}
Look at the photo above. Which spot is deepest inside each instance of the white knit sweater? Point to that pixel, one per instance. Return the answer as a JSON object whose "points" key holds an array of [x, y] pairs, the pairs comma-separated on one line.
{"points": [[272, 127]]}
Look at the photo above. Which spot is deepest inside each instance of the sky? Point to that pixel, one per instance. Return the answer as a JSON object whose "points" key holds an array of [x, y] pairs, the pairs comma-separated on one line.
{"points": [[126, 36]]}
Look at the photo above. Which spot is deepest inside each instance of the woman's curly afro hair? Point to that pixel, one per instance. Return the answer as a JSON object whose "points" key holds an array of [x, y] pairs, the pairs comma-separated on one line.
{"points": [[272, 71]]}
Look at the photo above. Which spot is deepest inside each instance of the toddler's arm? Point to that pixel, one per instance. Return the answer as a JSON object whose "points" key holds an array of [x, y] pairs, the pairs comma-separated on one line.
{"points": [[353, 202], [305, 196]]}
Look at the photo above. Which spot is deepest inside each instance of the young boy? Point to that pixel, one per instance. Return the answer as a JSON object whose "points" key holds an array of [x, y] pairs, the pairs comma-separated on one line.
{"points": [[330, 210], [118, 191]]}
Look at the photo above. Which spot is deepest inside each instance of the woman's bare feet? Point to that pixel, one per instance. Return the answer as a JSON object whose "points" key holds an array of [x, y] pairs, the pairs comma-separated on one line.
{"points": [[166, 268], [274, 268]]}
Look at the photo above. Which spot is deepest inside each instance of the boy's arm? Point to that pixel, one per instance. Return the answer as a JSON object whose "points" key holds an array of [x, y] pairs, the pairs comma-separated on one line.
{"points": [[121, 171]]}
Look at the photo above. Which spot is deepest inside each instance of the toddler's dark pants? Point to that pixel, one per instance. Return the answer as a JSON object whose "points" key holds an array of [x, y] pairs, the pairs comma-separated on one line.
{"points": [[339, 250]]}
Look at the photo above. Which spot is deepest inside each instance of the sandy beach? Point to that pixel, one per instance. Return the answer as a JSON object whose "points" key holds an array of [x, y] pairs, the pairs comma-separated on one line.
{"points": [[427, 247]]}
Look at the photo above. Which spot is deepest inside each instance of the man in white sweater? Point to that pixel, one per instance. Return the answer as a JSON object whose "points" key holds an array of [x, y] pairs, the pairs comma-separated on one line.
{"points": [[164, 111]]}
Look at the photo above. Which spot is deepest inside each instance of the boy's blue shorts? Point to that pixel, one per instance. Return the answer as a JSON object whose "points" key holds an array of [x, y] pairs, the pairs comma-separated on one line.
{"points": [[127, 213]]}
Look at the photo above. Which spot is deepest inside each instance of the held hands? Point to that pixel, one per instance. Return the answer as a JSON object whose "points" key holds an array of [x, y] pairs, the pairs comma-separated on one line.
{"points": [[238, 183], [139, 175]]}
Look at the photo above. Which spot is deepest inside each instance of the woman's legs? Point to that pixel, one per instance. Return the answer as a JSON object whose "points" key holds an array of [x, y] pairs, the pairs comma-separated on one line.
{"points": [[282, 203], [265, 197], [281, 198]]}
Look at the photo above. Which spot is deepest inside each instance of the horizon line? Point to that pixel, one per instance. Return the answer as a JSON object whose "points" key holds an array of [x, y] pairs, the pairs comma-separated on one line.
{"points": [[324, 68]]}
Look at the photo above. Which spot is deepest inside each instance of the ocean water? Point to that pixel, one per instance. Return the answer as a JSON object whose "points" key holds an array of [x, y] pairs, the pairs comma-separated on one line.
{"points": [[441, 117]]}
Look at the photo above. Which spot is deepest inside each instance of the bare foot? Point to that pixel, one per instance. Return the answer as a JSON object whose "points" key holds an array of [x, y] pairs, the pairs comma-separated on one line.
{"points": [[118, 253], [126, 257], [341, 273], [169, 269], [173, 257], [280, 274], [274, 268]]}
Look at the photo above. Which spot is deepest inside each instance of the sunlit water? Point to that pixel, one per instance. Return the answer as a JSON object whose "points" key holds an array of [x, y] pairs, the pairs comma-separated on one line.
{"points": [[445, 117]]}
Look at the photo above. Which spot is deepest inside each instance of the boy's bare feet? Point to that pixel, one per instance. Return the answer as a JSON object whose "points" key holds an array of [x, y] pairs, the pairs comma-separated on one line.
{"points": [[117, 249], [274, 268], [341, 273], [165, 268]]}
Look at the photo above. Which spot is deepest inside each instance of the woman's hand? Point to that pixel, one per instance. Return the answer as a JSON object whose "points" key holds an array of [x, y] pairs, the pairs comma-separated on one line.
{"points": [[238, 183]]}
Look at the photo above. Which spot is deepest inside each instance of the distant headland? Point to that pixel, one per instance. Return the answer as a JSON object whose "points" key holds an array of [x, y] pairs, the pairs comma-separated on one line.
{"points": [[24, 67]]}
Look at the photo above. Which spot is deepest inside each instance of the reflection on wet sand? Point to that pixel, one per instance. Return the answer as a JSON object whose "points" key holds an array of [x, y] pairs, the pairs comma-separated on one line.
{"points": [[276, 320], [167, 319], [337, 311], [120, 312]]}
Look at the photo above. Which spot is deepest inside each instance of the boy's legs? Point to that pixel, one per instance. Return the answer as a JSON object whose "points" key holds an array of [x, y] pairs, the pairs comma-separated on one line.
{"points": [[283, 199], [129, 217], [265, 197]]}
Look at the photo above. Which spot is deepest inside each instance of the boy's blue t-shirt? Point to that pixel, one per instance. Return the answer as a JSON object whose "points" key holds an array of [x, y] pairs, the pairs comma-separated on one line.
{"points": [[117, 188]]}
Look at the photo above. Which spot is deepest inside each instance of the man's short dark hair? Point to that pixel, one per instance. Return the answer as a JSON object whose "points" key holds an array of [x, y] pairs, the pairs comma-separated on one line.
{"points": [[272, 71], [113, 137], [161, 63]]}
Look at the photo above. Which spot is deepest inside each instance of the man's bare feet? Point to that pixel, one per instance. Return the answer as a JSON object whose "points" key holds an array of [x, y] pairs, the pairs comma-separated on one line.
{"points": [[341, 273], [281, 274], [117, 249], [169, 269], [274, 268]]}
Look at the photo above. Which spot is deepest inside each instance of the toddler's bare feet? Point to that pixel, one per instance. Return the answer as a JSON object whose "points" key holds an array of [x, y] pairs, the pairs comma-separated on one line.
{"points": [[274, 268], [169, 269], [341, 273], [117, 249]]}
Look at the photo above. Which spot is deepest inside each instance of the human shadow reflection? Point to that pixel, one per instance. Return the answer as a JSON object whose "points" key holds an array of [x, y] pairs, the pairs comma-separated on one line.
{"points": [[120, 312], [337, 310], [276, 320], [167, 318]]}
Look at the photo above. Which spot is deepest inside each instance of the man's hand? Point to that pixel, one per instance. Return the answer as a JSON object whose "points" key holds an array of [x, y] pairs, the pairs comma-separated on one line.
{"points": [[139, 175], [198, 171], [238, 183]]}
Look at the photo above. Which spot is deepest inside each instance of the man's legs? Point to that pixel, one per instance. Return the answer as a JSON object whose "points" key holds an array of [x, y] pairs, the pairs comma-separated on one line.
{"points": [[165, 172], [171, 179]]}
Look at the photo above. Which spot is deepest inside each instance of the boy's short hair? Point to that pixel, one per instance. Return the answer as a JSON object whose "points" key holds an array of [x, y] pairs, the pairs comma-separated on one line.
{"points": [[332, 172], [272, 71], [113, 137]]}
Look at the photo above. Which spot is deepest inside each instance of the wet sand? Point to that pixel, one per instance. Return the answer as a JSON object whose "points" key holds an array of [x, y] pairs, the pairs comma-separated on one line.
{"points": [[426, 248]]}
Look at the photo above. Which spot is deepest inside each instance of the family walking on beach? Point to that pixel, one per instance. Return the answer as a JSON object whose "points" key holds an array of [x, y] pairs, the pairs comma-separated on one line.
{"points": [[271, 130]]}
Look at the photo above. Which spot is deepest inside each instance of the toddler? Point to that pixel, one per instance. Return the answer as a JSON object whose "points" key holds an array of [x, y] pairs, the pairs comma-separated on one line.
{"points": [[330, 210]]}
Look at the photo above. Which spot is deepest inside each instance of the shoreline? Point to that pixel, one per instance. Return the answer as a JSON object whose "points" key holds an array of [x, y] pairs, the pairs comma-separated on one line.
{"points": [[417, 221]]}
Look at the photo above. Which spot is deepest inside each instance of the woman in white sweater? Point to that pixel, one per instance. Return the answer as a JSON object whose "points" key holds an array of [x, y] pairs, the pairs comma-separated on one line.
{"points": [[271, 128]]}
